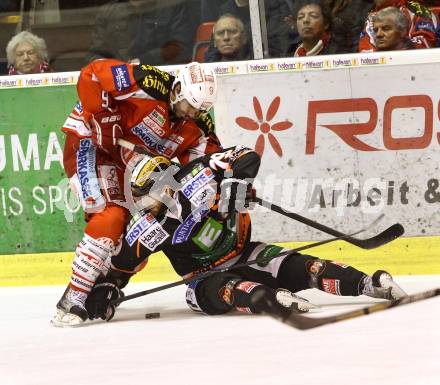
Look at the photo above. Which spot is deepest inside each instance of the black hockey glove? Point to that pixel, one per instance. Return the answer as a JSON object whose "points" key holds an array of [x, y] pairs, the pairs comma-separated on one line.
{"points": [[98, 303]]}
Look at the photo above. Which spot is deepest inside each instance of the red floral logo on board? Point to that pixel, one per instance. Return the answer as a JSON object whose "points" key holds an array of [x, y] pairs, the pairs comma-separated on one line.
{"points": [[264, 126]]}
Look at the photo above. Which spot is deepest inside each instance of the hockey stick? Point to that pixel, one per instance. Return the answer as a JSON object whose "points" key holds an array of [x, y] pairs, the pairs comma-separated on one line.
{"points": [[301, 322], [386, 236], [133, 147], [205, 274]]}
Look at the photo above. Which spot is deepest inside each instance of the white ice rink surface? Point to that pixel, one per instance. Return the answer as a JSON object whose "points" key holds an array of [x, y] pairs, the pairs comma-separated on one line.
{"points": [[396, 346]]}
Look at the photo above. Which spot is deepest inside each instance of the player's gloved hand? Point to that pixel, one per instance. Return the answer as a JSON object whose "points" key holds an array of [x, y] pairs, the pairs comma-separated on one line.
{"points": [[99, 302], [107, 129], [236, 195]]}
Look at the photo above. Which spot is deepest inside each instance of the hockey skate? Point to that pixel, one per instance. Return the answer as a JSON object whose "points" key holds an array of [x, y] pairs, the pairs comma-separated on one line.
{"points": [[293, 302], [381, 285], [71, 311]]}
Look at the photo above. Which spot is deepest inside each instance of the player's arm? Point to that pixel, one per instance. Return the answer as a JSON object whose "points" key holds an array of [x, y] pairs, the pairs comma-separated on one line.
{"points": [[205, 141], [236, 167]]}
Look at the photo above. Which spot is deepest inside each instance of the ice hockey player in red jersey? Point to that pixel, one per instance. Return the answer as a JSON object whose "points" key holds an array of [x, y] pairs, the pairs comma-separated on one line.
{"points": [[200, 221], [165, 114]]}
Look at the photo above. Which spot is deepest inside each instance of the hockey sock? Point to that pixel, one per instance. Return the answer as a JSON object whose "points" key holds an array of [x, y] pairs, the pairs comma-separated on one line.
{"points": [[299, 272], [89, 261]]}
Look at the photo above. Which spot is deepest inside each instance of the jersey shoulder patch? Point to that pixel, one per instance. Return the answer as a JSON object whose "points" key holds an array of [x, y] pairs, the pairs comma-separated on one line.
{"points": [[153, 81]]}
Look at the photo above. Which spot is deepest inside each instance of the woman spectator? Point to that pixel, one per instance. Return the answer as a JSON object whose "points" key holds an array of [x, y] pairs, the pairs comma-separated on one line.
{"points": [[27, 54], [313, 24]]}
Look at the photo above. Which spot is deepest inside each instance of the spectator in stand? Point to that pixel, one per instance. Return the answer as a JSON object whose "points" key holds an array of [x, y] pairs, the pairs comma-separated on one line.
{"points": [[422, 24], [390, 28], [348, 20], [230, 40], [312, 20], [148, 31], [27, 54], [277, 31]]}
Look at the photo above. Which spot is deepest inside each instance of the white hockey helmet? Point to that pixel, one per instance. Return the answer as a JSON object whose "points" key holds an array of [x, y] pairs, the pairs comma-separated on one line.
{"points": [[198, 85]]}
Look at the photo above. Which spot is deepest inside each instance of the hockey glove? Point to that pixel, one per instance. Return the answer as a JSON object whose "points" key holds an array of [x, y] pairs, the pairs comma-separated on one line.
{"points": [[107, 129], [99, 301]]}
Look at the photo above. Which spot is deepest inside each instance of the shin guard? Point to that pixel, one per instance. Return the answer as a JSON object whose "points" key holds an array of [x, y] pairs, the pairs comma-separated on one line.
{"points": [[91, 259]]}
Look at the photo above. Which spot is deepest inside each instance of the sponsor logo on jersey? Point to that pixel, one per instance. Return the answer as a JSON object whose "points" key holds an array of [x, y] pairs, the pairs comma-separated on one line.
{"points": [[208, 234], [331, 286], [153, 142], [150, 123], [425, 25], [85, 162], [138, 228], [121, 77], [153, 236], [247, 286], [184, 230], [176, 138], [196, 169], [200, 180], [78, 108], [157, 117], [109, 179], [203, 196]]}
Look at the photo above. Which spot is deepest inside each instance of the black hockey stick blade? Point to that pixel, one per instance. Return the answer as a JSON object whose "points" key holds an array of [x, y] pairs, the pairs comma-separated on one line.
{"points": [[299, 321], [386, 236]]}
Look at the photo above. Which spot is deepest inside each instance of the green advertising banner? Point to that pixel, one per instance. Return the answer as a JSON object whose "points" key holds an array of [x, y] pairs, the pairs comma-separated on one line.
{"points": [[38, 212]]}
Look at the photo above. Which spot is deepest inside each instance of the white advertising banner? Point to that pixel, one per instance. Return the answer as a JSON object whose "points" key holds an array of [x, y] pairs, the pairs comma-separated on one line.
{"points": [[339, 146]]}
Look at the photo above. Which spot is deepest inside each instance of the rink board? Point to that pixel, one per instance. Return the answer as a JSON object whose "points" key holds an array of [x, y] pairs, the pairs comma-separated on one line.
{"points": [[405, 256], [35, 200]]}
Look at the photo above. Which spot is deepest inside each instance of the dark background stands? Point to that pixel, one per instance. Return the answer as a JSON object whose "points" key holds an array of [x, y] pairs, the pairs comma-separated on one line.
{"points": [[155, 32]]}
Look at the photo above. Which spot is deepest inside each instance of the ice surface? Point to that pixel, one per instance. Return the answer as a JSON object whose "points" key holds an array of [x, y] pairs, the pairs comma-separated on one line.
{"points": [[397, 346]]}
